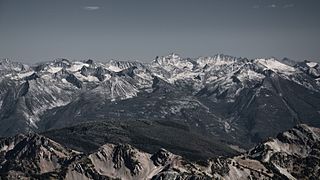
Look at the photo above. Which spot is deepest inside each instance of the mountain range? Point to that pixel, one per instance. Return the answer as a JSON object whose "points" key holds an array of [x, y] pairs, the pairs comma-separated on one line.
{"points": [[195, 108]]}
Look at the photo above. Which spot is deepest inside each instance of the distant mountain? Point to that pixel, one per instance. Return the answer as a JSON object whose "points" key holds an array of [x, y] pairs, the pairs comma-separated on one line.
{"points": [[237, 101], [294, 154]]}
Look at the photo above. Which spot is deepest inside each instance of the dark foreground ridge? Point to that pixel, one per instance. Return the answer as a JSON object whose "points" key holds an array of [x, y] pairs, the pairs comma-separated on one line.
{"points": [[293, 154], [145, 135]]}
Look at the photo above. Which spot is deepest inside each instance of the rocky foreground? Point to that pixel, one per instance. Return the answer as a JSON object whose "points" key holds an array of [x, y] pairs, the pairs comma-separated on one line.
{"points": [[294, 154]]}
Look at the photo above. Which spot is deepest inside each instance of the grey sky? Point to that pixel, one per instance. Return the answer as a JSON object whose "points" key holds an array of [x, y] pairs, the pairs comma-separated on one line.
{"points": [[40, 30]]}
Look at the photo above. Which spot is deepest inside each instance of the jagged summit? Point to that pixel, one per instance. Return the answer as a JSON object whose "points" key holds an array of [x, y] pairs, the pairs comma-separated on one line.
{"points": [[31, 154], [7, 66], [298, 141], [172, 62], [5, 61]]}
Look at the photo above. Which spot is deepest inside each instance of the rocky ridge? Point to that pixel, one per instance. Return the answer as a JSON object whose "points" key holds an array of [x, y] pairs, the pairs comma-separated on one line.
{"points": [[293, 154]]}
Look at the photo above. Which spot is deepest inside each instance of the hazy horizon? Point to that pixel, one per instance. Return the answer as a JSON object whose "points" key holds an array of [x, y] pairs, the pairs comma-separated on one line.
{"points": [[137, 60]]}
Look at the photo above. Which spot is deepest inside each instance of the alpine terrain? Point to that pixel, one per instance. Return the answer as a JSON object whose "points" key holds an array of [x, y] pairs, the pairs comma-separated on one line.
{"points": [[172, 118], [294, 154]]}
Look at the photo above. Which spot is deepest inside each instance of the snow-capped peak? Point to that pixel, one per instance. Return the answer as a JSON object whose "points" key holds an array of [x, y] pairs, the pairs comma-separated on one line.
{"points": [[275, 65], [8, 65], [216, 60], [76, 66], [172, 62], [312, 64], [172, 58]]}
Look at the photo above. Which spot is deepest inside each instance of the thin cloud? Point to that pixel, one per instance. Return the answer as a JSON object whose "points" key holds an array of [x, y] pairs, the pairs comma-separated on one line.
{"points": [[256, 7], [288, 6], [91, 8], [272, 6]]}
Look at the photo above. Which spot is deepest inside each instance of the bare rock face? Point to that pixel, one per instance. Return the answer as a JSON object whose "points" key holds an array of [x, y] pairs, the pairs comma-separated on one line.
{"points": [[30, 155], [161, 157], [294, 154]]}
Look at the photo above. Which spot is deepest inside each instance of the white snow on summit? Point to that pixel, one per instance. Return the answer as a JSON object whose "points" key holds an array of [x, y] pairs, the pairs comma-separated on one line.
{"points": [[76, 66], [250, 75], [312, 64], [276, 66]]}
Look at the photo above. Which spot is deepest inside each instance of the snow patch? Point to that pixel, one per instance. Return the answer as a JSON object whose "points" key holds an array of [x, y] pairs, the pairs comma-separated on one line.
{"points": [[23, 75], [86, 78], [276, 66], [250, 75], [54, 69], [114, 68], [284, 172], [312, 64], [227, 127], [76, 66]]}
